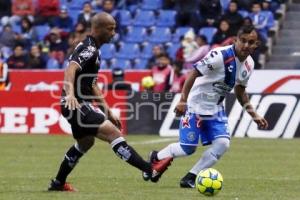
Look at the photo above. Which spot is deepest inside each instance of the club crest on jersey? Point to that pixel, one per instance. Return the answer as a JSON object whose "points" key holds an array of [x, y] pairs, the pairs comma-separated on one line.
{"points": [[186, 122], [191, 136]]}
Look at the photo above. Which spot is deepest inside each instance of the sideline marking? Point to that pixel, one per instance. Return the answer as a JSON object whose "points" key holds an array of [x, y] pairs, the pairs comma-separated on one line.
{"points": [[156, 141]]}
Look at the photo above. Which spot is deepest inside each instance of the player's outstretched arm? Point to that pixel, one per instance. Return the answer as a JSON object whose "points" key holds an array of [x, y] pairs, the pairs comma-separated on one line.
{"points": [[71, 101], [188, 84], [243, 99]]}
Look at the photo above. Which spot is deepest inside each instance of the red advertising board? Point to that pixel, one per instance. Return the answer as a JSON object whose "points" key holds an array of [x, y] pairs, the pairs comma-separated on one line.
{"points": [[39, 112]]}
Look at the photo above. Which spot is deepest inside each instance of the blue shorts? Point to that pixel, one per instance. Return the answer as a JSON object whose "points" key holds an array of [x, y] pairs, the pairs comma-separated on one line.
{"points": [[192, 126]]}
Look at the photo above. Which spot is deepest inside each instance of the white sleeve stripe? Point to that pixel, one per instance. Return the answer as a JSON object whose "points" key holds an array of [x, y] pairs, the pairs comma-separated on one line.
{"points": [[76, 63]]}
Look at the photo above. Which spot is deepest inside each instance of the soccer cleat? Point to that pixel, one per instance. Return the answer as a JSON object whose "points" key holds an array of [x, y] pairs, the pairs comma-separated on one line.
{"points": [[158, 167], [56, 186], [188, 181]]}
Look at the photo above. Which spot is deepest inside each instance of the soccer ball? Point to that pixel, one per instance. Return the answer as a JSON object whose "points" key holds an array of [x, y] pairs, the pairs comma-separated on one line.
{"points": [[148, 82], [209, 182]]}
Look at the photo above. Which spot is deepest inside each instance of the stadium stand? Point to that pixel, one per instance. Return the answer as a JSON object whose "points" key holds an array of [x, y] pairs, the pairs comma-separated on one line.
{"points": [[145, 23]]}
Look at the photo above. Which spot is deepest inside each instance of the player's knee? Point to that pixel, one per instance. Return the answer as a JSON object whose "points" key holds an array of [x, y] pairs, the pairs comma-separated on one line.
{"points": [[188, 149], [225, 144], [220, 146]]}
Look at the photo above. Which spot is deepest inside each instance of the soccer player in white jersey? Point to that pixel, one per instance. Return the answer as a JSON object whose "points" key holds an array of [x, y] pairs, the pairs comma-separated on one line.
{"points": [[201, 104]]}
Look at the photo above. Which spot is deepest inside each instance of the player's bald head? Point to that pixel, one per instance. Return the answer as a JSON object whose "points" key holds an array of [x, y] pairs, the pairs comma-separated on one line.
{"points": [[102, 19]]}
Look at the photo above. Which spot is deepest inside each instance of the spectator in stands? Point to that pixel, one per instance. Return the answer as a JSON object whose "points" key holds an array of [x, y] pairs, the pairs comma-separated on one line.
{"points": [[203, 49], [8, 37], [234, 19], [5, 8], [109, 7], [36, 58], [28, 33], [157, 50], [86, 15], [168, 4], [189, 45], [210, 11], [47, 10], [4, 76], [130, 5], [223, 36], [97, 4], [19, 59], [259, 20], [245, 4], [76, 36], [187, 14], [58, 45], [177, 77], [63, 21], [161, 73]]}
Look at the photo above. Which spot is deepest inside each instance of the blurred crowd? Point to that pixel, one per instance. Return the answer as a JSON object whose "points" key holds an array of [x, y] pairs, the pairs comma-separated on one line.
{"points": [[41, 34]]}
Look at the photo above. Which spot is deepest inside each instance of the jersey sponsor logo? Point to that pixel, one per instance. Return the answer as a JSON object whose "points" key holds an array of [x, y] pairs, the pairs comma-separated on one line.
{"points": [[86, 53], [230, 68], [221, 88], [213, 53], [210, 67]]}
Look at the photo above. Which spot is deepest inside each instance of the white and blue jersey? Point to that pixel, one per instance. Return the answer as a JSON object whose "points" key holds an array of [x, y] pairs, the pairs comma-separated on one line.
{"points": [[221, 70]]}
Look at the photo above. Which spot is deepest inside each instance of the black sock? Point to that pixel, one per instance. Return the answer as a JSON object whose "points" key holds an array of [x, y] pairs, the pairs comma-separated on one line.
{"points": [[127, 153], [67, 165]]}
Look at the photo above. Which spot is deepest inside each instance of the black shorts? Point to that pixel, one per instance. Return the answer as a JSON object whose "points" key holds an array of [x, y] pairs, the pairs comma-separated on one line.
{"points": [[84, 121]]}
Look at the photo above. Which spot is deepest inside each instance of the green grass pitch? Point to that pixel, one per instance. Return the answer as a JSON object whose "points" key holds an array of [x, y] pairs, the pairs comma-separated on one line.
{"points": [[252, 169]]}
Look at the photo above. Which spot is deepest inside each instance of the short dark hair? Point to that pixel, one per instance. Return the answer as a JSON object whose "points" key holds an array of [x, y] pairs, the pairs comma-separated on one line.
{"points": [[246, 29]]}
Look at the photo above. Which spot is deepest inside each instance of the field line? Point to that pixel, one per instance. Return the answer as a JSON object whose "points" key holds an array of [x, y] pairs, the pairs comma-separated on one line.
{"points": [[156, 141]]}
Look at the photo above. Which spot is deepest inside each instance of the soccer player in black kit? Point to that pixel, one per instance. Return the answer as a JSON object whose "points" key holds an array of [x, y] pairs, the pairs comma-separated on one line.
{"points": [[87, 121]]}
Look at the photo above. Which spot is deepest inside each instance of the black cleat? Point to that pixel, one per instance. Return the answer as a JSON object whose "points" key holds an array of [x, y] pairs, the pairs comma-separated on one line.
{"points": [[56, 186], [188, 181]]}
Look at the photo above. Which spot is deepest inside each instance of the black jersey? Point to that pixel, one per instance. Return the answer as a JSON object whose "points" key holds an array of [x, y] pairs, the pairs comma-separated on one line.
{"points": [[86, 55]]}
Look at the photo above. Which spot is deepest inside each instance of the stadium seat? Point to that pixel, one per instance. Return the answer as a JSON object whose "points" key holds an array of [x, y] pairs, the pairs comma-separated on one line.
{"points": [[76, 4], [160, 35], [144, 18], [121, 63], [52, 64], [172, 49], [16, 28], [180, 31], [74, 15], [224, 4], [146, 51], [151, 4], [135, 34], [125, 18], [108, 51], [140, 63], [208, 32], [104, 64], [166, 18], [42, 31], [128, 51], [244, 13]]}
